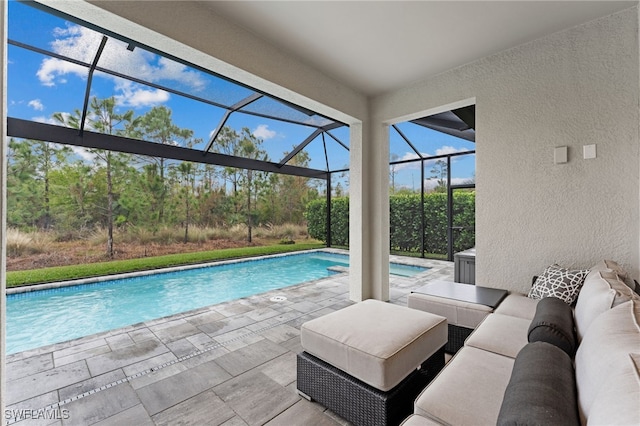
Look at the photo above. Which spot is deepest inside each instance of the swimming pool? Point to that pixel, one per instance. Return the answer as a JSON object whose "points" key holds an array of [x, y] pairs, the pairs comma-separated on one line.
{"points": [[44, 317]]}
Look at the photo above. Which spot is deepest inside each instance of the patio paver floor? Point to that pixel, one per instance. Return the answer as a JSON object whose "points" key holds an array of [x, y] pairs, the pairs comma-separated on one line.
{"points": [[228, 364]]}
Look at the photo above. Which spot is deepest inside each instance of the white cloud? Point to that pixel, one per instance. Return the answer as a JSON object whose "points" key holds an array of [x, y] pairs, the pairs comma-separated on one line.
{"points": [[137, 96], [408, 166], [263, 132], [443, 150], [409, 156], [51, 68], [82, 43], [83, 153], [430, 184], [46, 120], [36, 104], [171, 70]]}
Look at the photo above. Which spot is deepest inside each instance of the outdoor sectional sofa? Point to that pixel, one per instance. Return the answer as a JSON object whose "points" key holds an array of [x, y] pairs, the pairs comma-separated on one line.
{"points": [[526, 364]]}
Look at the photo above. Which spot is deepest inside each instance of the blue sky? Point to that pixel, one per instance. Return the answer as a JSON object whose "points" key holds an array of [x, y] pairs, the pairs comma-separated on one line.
{"points": [[39, 86]]}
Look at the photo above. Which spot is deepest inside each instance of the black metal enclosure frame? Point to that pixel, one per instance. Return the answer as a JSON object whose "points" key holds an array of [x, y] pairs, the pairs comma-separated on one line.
{"points": [[450, 189], [80, 137], [459, 123]]}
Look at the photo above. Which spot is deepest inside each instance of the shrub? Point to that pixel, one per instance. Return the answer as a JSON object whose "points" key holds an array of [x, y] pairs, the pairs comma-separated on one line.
{"points": [[404, 221], [288, 231], [316, 216], [197, 234], [22, 243], [139, 234], [219, 234]]}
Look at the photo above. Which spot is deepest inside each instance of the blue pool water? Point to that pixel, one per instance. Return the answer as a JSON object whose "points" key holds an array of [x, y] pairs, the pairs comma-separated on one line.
{"points": [[40, 318]]}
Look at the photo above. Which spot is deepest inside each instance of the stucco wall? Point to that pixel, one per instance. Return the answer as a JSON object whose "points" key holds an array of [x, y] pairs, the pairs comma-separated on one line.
{"points": [[572, 88]]}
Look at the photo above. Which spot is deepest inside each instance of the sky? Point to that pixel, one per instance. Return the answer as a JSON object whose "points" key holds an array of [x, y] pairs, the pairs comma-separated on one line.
{"points": [[40, 85]]}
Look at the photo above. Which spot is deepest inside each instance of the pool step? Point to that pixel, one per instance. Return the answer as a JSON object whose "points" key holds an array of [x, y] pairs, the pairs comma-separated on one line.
{"points": [[338, 269]]}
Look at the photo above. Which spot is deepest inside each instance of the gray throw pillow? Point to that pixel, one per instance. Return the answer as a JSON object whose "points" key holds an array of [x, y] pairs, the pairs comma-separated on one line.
{"points": [[541, 390], [553, 323]]}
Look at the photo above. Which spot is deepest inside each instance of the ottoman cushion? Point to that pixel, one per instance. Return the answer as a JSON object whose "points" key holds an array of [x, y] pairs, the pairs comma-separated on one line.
{"points": [[375, 342]]}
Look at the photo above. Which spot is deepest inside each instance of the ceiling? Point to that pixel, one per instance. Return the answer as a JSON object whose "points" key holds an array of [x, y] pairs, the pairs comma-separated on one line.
{"points": [[378, 46]]}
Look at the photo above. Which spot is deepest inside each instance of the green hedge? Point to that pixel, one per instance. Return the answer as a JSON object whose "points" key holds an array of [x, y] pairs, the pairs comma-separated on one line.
{"points": [[316, 216], [404, 221]]}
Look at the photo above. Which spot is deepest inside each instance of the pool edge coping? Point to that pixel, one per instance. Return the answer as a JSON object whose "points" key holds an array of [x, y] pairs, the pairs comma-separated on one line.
{"points": [[94, 280]]}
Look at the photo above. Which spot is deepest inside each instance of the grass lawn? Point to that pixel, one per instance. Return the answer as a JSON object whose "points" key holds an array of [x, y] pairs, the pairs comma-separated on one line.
{"points": [[64, 273]]}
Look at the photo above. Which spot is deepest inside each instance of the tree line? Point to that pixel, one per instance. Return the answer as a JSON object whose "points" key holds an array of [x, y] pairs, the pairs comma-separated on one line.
{"points": [[49, 187]]}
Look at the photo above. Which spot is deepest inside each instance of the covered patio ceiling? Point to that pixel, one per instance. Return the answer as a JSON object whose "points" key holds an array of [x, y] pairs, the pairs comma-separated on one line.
{"points": [[380, 46]]}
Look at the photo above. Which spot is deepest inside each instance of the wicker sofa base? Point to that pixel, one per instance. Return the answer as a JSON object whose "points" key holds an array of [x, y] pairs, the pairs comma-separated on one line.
{"points": [[355, 400], [457, 335]]}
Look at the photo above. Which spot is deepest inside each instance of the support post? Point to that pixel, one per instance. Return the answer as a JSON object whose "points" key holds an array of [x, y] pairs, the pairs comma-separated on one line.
{"points": [[3, 208], [449, 212], [422, 221], [328, 210], [369, 212]]}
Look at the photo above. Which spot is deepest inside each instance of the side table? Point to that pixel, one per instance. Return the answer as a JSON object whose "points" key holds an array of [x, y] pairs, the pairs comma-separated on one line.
{"points": [[464, 306]]}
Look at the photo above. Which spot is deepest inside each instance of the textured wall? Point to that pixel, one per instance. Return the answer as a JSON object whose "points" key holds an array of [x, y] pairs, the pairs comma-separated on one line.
{"points": [[572, 88]]}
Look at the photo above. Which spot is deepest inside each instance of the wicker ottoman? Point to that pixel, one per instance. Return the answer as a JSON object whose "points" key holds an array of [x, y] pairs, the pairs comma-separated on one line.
{"points": [[369, 361]]}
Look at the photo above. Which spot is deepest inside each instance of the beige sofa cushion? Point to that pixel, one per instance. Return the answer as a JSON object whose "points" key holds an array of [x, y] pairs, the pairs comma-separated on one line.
{"points": [[500, 334], [376, 342], [518, 305], [600, 292], [469, 390], [612, 266], [604, 350], [619, 399]]}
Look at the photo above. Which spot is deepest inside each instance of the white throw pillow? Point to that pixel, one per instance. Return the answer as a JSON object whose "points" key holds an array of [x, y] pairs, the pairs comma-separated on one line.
{"points": [[601, 291], [617, 401], [604, 350], [612, 266]]}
